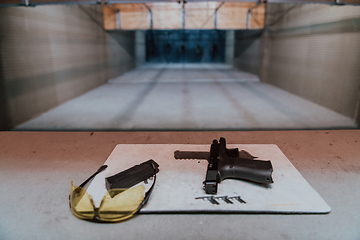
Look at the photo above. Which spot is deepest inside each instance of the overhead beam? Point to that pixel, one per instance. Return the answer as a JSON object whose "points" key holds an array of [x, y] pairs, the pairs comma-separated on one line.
{"points": [[5, 3], [63, 2], [231, 15], [331, 2]]}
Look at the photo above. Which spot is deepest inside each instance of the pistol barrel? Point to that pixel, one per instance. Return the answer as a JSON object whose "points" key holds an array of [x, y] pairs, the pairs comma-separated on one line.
{"points": [[191, 155]]}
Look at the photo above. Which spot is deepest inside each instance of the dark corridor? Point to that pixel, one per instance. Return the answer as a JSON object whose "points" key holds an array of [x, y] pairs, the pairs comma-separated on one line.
{"points": [[185, 46]]}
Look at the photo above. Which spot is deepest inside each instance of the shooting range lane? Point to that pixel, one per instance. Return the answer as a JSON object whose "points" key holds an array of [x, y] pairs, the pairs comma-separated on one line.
{"points": [[36, 169], [187, 97], [179, 182]]}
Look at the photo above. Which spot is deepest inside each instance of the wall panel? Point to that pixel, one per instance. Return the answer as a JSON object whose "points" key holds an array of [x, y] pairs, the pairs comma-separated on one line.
{"points": [[132, 16], [247, 53], [198, 15], [313, 50], [51, 54], [166, 15]]}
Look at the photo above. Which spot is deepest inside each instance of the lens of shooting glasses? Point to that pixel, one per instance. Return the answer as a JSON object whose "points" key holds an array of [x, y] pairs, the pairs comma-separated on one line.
{"points": [[116, 205], [123, 204], [81, 203]]}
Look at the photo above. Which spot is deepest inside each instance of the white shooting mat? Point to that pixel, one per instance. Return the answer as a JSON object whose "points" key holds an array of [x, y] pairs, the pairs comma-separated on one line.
{"points": [[180, 181]]}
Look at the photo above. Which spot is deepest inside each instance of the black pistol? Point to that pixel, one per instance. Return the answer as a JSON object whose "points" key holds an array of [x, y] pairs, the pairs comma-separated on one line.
{"points": [[229, 163]]}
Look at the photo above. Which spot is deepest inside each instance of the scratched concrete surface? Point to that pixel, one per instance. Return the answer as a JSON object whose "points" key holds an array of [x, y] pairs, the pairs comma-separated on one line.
{"points": [[187, 97], [37, 168]]}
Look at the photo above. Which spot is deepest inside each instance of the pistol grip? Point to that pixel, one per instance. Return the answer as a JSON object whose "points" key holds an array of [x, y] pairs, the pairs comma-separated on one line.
{"points": [[253, 170], [211, 182]]}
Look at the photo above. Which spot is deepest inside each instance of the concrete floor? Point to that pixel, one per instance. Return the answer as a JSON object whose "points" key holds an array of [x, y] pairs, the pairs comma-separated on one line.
{"points": [[37, 167], [187, 97]]}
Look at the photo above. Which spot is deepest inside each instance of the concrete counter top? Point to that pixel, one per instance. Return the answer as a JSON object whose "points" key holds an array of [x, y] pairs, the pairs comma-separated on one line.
{"points": [[36, 169]]}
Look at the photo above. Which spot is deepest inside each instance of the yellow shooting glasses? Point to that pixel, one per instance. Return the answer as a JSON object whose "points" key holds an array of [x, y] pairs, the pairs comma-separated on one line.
{"points": [[117, 205]]}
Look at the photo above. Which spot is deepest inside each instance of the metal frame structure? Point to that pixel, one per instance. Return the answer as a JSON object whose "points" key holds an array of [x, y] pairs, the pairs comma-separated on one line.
{"points": [[5, 3], [150, 15], [215, 14], [118, 18], [183, 13], [248, 15]]}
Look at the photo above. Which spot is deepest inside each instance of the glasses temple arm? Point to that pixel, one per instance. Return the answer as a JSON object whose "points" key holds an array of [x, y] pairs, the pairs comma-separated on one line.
{"points": [[148, 193], [102, 168]]}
